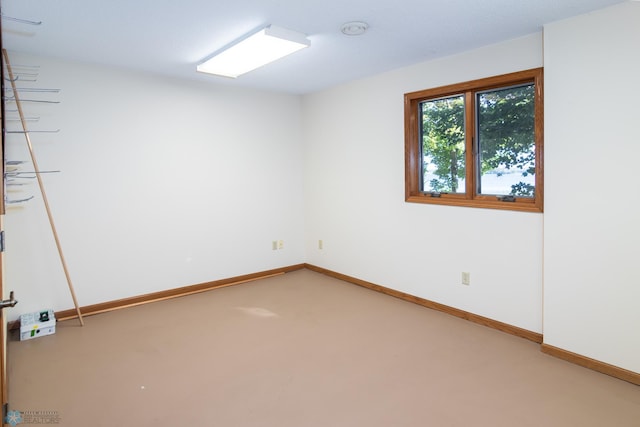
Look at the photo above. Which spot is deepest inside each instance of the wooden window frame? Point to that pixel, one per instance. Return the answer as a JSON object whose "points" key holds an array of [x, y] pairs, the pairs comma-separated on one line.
{"points": [[413, 161]]}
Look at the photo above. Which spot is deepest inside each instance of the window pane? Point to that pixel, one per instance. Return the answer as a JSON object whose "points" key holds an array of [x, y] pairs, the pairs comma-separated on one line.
{"points": [[506, 141], [443, 145]]}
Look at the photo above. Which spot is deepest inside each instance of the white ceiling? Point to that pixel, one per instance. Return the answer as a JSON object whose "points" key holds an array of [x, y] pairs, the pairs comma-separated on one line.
{"points": [[171, 37]]}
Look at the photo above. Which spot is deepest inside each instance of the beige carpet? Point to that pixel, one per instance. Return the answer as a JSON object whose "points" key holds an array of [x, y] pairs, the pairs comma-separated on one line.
{"points": [[303, 350]]}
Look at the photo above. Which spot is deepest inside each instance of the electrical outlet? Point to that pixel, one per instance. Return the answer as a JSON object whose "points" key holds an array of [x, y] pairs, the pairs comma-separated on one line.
{"points": [[320, 244], [280, 244], [274, 245], [466, 278]]}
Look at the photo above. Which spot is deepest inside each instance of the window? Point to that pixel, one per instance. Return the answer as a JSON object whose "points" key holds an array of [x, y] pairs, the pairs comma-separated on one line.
{"points": [[477, 144]]}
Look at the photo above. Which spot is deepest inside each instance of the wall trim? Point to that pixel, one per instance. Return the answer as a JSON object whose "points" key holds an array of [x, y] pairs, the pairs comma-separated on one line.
{"points": [[485, 321], [577, 359], [104, 307], [596, 365]]}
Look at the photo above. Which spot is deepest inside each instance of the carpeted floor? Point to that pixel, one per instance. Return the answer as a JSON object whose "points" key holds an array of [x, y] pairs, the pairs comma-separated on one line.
{"points": [[302, 350]]}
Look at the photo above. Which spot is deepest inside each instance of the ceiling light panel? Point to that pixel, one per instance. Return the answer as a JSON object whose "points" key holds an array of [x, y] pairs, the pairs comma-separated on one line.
{"points": [[258, 49]]}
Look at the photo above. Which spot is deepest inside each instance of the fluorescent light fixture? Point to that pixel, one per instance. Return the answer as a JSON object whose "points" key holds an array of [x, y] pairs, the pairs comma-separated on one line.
{"points": [[260, 48]]}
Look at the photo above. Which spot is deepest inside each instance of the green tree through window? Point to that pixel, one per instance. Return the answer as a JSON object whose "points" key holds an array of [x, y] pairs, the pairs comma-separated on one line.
{"points": [[477, 143], [506, 139], [443, 144]]}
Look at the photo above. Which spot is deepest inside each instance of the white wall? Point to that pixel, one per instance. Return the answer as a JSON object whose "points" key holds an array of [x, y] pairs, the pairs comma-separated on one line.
{"points": [[169, 183], [164, 183], [592, 204], [354, 188]]}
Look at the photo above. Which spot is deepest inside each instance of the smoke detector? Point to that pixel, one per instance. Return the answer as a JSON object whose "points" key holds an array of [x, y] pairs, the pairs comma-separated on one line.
{"points": [[354, 28]]}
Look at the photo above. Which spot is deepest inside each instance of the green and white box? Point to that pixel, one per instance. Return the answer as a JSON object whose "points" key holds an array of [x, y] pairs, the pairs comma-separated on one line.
{"points": [[38, 324]]}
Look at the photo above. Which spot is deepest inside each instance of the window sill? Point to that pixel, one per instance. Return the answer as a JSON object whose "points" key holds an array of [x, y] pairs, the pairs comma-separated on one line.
{"points": [[485, 202]]}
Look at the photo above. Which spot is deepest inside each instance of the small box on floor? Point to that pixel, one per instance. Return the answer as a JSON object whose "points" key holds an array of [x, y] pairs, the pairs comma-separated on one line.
{"points": [[38, 324]]}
